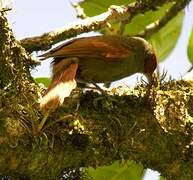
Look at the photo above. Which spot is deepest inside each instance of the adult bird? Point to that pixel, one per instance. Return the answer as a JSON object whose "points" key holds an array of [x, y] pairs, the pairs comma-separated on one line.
{"points": [[96, 59]]}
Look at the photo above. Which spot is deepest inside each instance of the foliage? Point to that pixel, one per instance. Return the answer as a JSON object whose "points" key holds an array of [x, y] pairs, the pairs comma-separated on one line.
{"points": [[118, 171], [190, 48], [43, 80]]}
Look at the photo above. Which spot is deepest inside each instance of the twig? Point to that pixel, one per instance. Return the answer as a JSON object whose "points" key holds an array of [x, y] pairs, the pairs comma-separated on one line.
{"points": [[189, 75], [43, 121], [122, 27], [79, 11], [2, 10], [157, 25]]}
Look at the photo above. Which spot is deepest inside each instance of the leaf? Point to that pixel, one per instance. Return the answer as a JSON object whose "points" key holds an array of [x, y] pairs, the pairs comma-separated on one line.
{"points": [[190, 48], [117, 171], [43, 80], [161, 178], [164, 41]]}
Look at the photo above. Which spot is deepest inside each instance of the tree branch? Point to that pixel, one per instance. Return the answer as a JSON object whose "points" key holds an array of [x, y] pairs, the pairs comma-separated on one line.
{"points": [[90, 24], [152, 127], [114, 13]]}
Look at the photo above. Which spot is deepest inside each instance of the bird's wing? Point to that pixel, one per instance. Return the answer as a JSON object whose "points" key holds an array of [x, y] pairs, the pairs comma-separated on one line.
{"points": [[108, 47]]}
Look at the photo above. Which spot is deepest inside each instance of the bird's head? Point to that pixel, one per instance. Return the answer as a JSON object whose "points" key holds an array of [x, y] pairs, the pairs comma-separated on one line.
{"points": [[147, 54]]}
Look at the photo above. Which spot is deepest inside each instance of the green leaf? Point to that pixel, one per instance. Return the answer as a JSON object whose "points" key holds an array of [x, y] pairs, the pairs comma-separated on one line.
{"points": [[43, 80], [190, 48], [161, 178], [117, 171], [164, 41]]}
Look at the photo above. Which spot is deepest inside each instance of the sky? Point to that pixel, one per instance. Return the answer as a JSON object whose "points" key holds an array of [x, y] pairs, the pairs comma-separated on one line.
{"points": [[35, 17]]}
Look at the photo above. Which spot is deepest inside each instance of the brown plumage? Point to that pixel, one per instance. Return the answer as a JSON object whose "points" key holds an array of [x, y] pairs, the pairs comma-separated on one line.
{"points": [[97, 59]]}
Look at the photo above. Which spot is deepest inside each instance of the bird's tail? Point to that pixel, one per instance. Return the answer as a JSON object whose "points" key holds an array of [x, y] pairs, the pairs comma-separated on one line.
{"points": [[63, 82]]}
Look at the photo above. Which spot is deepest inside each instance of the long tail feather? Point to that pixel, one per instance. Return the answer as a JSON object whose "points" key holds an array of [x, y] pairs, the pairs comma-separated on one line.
{"points": [[62, 84]]}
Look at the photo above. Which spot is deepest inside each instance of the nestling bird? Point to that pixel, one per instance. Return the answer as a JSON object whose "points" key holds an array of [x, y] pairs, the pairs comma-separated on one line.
{"points": [[96, 59]]}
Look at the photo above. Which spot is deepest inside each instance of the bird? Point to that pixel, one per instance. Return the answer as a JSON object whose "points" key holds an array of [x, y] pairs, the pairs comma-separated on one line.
{"points": [[95, 59]]}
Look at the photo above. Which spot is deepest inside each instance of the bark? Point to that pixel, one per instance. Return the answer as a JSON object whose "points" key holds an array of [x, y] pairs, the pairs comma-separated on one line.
{"points": [[150, 125]]}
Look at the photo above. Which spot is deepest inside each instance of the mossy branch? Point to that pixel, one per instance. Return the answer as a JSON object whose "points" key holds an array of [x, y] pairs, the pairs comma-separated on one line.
{"points": [[150, 126]]}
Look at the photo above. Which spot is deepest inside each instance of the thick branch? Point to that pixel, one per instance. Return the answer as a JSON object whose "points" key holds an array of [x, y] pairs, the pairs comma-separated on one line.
{"points": [[153, 127]]}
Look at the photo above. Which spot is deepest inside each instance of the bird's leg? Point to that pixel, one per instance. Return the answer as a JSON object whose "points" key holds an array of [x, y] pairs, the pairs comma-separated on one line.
{"points": [[104, 93], [85, 85], [100, 89], [108, 99]]}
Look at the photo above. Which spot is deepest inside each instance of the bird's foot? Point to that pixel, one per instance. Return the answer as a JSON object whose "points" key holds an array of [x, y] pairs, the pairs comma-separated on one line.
{"points": [[105, 99], [103, 91]]}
